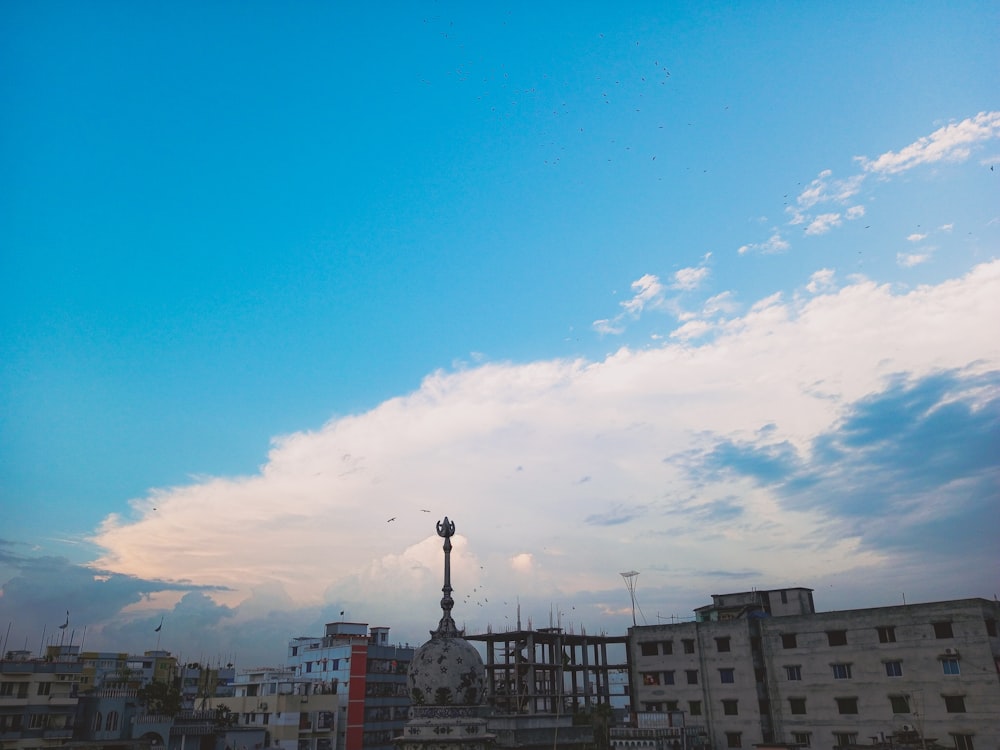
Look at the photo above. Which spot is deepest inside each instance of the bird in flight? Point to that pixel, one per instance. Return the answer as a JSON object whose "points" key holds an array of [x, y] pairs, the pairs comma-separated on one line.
{"points": [[391, 519], [424, 510]]}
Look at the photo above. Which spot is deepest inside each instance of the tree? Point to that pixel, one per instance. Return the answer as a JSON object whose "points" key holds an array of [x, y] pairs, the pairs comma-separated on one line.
{"points": [[160, 698]]}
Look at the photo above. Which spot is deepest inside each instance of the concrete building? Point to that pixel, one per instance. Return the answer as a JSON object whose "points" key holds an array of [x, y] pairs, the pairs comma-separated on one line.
{"points": [[550, 671], [38, 701], [366, 672], [152, 666], [295, 713], [657, 730], [200, 682], [764, 667], [102, 669]]}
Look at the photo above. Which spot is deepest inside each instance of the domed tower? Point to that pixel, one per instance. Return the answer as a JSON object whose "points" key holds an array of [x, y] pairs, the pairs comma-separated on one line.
{"points": [[446, 681]]}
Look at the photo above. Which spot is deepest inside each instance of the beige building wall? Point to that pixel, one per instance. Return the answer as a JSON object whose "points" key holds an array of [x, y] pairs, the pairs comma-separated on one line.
{"points": [[288, 717], [827, 679], [929, 667]]}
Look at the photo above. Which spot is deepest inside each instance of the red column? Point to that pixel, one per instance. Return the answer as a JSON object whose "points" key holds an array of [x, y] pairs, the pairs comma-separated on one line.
{"points": [[356, 697]]}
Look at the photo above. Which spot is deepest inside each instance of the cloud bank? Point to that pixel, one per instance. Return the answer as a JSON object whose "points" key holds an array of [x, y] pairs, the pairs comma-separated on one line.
{"points": [[825, 437]]}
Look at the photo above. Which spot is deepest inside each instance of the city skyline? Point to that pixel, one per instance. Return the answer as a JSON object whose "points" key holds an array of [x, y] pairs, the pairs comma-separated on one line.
{"points": [[710, 294]]}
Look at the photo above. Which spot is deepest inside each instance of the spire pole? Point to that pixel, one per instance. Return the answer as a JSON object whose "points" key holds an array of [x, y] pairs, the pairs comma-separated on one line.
{"points": [[446, 627]]}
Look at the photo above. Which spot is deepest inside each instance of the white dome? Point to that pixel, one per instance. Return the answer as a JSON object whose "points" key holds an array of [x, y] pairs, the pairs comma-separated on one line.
{"points": [[447, 671]]}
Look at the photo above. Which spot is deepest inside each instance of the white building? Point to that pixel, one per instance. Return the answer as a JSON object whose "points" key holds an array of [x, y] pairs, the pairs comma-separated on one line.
{"points": [[765, 667]]}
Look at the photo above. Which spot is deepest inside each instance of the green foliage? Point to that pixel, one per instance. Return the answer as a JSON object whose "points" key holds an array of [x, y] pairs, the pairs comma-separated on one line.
{"points": [[160, 698]]}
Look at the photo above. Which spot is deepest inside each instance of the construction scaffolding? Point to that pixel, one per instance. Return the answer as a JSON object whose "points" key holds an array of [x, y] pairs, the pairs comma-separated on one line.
{"points": [[547, 671]]}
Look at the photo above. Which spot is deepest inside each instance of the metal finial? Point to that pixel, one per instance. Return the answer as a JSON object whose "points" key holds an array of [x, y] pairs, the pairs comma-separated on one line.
{"points": [[446, 628]]}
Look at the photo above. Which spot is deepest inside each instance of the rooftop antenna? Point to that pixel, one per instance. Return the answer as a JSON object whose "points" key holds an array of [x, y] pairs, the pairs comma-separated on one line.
{"points": [[630, 577]]}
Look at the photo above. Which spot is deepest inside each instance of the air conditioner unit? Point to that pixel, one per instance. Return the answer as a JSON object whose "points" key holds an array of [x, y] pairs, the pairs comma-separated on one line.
{"points": [[950, 651], [262, 707]]}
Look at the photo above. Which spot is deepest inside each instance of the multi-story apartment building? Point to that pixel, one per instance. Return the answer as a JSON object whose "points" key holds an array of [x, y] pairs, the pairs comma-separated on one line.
{"points": [[38, 701], [763, 666], [296, 713], [366, 672], [200, 682]]}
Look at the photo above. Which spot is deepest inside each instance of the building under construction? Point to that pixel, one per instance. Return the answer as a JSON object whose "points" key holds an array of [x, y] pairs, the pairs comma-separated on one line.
{"points": [[548, 671]]}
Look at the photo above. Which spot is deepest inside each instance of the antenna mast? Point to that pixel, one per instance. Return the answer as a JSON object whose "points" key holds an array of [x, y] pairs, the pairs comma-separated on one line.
{"points": [[630, 577]]}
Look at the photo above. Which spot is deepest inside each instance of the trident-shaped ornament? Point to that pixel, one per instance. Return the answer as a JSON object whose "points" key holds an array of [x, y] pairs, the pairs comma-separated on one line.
{"points": [[446, 628]]}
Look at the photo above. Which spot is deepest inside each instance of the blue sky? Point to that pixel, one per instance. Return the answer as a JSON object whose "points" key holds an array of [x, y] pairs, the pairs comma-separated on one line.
{"points": [[706, 293]]}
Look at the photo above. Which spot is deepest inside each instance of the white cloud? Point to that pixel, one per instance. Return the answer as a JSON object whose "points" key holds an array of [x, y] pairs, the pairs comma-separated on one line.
{"points": [[821, 281], [522, 562], [916, 237], [691, 330], [689, 279], [774, 244], [501, 449], [824, 190], [953, 142], [720, 303], [855, 212], [823, 223], [648, 291], [608, 327], [909, 260]]}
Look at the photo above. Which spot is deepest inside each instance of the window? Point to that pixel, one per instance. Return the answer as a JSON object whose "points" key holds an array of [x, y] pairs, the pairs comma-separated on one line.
{"points": [[760, 674], [668, 647], [950, 666], [788, 640], [894, 669], [886, 634], [112, 723], [836, 637], [692, 676], [36, 721], [843, 739], [797, 705], [647, 649], [802, 738], [727, 675], [963, 741], [694, 708], [734, 739], [668, 677], [654, 706], [730, 707], [954, 704], [688, 645], [943, 630], [671, 705], [900, 704], [44, 688], [650, 678], [6, 688], [991, 631], [793, 672], [841, 671], [722, 644], [784, 596], [847, 705], [97, 722]]}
